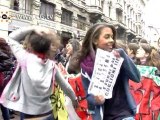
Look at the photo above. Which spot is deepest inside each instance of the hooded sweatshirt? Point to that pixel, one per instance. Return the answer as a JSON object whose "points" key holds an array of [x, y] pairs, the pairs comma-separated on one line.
{"points": [[32, 89]]}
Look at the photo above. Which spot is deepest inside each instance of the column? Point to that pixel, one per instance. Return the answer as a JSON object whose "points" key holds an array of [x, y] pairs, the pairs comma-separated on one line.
{"points": [[113, 11], [74, 20], [36, 11]]}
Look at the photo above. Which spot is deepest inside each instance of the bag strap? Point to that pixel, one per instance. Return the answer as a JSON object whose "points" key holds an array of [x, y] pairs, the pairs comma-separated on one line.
{"points": [[85, 75], [53, 75]]}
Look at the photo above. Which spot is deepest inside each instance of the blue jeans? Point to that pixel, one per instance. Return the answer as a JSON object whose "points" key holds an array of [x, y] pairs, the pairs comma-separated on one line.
{"points": [[5, 112], [128, 118], [50, 117], [21, 116]]}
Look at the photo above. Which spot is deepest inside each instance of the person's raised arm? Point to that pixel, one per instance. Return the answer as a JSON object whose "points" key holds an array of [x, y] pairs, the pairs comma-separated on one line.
{"points": [[14, 39], [20, 33], [65, 86]]}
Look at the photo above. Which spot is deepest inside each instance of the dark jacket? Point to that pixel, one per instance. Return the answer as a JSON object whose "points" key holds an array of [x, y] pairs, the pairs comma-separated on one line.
{"points": [[6, 69]]}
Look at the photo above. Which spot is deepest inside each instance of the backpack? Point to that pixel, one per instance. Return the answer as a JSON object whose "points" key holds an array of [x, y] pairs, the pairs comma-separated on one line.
{"points": [[77, 85]]}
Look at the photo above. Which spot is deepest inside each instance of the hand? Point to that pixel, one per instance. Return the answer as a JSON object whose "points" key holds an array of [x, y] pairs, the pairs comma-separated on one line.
{"points": [[99, 99], [116, 53], [39, 30]]}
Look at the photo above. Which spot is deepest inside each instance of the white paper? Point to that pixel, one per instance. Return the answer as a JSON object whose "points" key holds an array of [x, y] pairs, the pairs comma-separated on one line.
{"points": [[106, 70]]}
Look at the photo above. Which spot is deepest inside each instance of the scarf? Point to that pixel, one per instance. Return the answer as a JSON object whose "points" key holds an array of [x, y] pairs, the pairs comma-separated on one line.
{"points": [[87, 64]]}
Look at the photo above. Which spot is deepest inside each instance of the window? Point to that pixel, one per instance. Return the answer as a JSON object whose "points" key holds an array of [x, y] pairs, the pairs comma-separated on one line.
{"points": [[15, 5], [92, 2], [27, 6], [24, 6], [119, 15], [66, 17], [81, 23], [47, 10]]}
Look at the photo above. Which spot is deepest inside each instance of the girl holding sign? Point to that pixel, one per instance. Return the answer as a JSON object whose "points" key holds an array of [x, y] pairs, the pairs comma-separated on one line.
{"points": [[121, 105]]}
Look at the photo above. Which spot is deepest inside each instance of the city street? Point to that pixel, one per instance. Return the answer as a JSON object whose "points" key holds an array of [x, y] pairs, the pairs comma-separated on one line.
{"points": [[103, 54]]}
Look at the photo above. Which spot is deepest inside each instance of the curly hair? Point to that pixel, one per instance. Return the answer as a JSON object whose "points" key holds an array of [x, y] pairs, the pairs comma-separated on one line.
{"points": [[45, 43]]}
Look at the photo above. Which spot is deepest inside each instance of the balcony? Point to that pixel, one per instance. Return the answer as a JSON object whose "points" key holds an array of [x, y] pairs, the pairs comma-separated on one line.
{"points": [[119, 24], [80, 3], [94, 9], [47, 23], [17, 15], [130, 34], [119, 6], [95, 13], [138, 23], [106, 19], [18, 20]]}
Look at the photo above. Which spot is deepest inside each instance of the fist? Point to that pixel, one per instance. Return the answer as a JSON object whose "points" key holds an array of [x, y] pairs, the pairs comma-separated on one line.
{"points": [[99, 99], [116, 53]]}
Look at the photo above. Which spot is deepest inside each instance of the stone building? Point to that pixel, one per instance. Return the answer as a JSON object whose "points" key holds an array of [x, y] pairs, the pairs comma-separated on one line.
{"points": [[71, 18]]}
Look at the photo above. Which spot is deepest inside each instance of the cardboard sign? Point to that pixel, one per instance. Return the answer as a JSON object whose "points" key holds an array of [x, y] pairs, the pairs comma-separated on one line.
{"points": [[106, 70]]}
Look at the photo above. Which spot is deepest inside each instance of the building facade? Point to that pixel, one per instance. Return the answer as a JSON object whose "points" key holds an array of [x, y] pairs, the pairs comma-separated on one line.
{"points": [[71, 18], [153, 36]]}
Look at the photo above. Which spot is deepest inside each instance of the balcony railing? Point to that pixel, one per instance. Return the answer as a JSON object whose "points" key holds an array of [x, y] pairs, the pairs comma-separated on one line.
{"points": [[119, 6], [94, 9], [17, 15], [22, 10]]}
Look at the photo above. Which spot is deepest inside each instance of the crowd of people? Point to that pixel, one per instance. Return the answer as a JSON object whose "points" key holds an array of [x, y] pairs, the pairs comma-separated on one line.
{"points": [[43, 81]]}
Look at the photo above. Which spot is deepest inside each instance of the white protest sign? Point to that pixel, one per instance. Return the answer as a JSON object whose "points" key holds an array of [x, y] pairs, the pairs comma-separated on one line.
{"points": [[106, 70]]}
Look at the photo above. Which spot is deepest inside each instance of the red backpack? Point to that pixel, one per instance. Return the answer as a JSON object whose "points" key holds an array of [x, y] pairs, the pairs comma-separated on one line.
{"points": [[77, 85]]}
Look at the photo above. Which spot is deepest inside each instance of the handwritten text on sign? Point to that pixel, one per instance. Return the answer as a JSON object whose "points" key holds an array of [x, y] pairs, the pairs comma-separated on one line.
{"points": [[106, 70]]}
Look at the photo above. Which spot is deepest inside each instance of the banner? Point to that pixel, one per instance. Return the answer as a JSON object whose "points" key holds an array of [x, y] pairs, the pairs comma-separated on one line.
{"points": [[106, 70], [58, 104], [149, 72]]}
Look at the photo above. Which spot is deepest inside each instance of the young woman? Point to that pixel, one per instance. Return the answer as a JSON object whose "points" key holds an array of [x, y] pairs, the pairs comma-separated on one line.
{"points": [[148, 65], [132, 50], [31, 94], [121, 105], [72, 48], [143, 55]]}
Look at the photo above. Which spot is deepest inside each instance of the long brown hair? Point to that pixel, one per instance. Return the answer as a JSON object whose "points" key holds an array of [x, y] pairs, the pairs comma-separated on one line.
{"points": [[92, 36], [148, 49]]}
